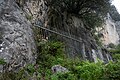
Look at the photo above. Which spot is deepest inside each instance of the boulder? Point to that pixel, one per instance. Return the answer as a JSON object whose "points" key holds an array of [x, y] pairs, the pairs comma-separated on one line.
{"points": [[59, 68]]}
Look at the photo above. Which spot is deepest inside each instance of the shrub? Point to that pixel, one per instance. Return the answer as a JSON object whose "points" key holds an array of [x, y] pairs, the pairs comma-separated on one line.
{"points": [[2, 62], [77, 69], [112, 71]]}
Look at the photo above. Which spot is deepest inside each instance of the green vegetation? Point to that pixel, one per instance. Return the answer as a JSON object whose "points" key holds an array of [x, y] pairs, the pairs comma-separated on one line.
{"points": [[52, 53], [116, 52], [2, 62], [88, 10], [97, 39], [111, 45], [81, 7], [93, 17], [29, 17]]}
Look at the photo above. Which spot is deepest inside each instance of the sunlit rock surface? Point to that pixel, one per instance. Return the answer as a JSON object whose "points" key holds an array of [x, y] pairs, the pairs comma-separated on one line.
{"points": [[109, 32]]}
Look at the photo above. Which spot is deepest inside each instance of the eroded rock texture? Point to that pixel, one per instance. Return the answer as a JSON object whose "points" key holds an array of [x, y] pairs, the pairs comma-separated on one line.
{"points": [[17, 45], [74, 33], [109, 32]]}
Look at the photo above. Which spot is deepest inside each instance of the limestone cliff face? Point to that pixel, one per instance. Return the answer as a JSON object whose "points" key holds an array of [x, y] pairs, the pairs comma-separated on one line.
{"points": [[109, 31], [17, 46], [70, 30]]}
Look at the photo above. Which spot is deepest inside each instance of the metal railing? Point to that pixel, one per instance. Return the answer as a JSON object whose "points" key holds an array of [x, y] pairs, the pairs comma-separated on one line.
{"points": [[55, 32]]}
